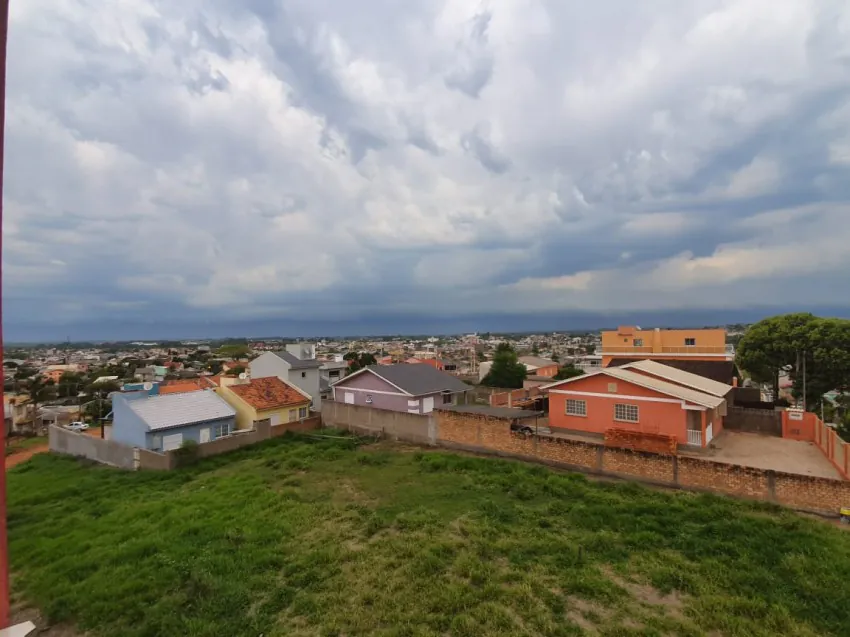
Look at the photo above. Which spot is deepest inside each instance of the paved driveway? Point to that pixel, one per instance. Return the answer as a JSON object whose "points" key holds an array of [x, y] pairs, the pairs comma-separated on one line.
{"points": [[769, 452]]}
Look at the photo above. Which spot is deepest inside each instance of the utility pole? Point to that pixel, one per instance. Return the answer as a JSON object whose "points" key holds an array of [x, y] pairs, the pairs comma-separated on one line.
{"points": [[804, 380], [4, 554]]}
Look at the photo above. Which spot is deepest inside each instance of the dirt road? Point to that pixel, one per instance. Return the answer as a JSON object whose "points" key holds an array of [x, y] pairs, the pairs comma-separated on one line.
{"points": [[22, 456]]}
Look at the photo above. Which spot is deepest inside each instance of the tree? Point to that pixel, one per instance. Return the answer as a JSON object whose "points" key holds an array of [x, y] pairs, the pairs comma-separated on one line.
{"points": [[590, 349], [506, 370], [40, 390], [235, 371], [535, 349], [234, 351], [359, 360], [805, 346], [25, 372], [568, 371], [214, 367], [556, 358]]}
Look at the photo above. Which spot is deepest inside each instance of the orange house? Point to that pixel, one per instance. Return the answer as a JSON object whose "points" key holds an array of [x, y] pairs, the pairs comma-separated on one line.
{"points": [[618, 398], [658, 344]]}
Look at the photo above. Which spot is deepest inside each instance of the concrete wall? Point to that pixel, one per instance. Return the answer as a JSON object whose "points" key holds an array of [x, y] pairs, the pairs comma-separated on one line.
{"points": [[492, 436], [370, 421], [85, 446]]}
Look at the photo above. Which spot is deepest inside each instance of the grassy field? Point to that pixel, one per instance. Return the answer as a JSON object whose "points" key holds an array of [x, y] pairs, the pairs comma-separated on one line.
{"points": [[300, 536]]}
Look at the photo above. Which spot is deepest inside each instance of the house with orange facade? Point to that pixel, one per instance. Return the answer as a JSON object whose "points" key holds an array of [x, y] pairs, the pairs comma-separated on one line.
{"points": [[660, 344], [647, 397]]}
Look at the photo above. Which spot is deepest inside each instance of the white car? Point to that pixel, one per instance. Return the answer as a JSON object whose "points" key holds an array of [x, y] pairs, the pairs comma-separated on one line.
{"points": [[77, 426]]}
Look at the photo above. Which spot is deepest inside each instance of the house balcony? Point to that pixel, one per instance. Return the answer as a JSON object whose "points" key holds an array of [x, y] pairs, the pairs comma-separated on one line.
{"points": [[726, 352]]}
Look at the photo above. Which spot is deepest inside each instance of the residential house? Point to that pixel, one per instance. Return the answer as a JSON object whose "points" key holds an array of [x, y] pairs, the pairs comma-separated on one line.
{"points": [[163, 423], [415, 389], [52, 375], [185, 385], [648, 397], [330, 372], [266, 398], [537, 366], [293, 365], [657, 344], [534, 365]]}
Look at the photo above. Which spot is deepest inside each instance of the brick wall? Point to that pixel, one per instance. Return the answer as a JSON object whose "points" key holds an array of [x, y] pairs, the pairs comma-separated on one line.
{"points": [[489, 435], [641, 441]]}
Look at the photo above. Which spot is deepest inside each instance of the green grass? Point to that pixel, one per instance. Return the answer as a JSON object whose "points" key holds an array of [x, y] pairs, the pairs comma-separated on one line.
{"points": [[18, 443], [299, 536]]}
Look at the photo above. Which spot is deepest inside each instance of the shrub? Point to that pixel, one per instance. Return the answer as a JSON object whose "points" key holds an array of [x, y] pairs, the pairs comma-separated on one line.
{"points": [[187, 454]]}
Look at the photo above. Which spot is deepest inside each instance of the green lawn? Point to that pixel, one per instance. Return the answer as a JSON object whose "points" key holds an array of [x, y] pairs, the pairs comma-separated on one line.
{"points": [[300, 536]]}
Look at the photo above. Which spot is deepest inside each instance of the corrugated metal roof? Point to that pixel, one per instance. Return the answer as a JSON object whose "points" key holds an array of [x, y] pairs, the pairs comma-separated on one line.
{"points": [[681, 377], [175, 410], [662, 386], [536, 361]]}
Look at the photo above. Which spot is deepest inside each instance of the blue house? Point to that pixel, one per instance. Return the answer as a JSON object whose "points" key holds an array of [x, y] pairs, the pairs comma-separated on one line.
{"points": [[151, 389], [163, 423]]}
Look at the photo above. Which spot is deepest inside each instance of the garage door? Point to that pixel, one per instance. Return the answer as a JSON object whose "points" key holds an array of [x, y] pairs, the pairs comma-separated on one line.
{"points": [[172, 442]]}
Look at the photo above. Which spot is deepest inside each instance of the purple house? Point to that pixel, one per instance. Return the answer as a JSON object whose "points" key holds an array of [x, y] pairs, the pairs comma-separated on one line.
{"points": [[414, 389]]}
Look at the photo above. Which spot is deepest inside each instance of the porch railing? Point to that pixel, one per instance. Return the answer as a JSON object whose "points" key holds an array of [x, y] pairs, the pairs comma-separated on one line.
{"points": [[695, 437]]}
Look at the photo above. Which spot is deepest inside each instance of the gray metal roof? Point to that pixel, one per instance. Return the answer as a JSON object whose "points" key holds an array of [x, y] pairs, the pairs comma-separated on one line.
{"points": [[418, 379], [298, 363], [493, 412], [681, 377], [176, 410], [536, 361]]}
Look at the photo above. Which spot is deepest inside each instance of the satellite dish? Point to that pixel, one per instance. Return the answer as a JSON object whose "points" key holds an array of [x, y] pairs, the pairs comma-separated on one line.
{"points": [[148, 386], [243, 376]]}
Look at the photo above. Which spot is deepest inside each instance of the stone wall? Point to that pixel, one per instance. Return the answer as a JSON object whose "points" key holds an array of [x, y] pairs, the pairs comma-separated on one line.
{"points": [[493, 436]]}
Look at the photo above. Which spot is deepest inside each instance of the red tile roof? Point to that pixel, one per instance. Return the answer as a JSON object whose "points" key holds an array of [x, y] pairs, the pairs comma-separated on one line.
{"points": [[269, 393], [181, 386]]}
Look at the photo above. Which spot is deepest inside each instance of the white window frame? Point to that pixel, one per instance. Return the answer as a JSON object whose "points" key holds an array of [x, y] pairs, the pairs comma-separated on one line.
{"points": [[638, 342], [222, 430], [623, 412], [579, 407], [448, 398]]}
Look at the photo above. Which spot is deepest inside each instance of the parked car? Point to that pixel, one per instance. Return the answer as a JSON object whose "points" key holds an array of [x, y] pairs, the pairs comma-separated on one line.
{"points": [[77, 426], [521, 428]]}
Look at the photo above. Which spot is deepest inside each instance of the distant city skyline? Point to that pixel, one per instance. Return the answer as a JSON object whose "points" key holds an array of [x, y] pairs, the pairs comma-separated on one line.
{"points": [[398, 324]]}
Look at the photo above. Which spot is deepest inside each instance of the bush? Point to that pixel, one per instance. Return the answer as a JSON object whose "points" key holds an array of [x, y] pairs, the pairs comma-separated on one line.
{"points": [[187, 454]]}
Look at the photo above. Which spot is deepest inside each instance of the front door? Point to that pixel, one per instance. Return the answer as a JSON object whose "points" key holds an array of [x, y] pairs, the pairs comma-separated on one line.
{"points": [[428, 405], [205, 435]]}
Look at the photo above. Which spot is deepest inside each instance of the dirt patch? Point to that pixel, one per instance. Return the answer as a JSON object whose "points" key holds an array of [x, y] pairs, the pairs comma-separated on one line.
{"points": [[582, 613], [673, 602], [22, 456]]}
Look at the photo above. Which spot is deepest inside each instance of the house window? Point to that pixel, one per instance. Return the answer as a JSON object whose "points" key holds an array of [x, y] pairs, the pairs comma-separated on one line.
{"points": [[334, 373], [293, 415], [638, 342], [690, 342], [368, 399], [576, 407], [448, 399], [625, 413], [612, 388], [302, 412], [222, 430], [303, 374]]}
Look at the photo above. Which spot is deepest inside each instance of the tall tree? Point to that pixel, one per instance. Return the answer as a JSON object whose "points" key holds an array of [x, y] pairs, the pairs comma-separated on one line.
{"points": [[506, 370], [359, 360], [807, 347], [40, 390], [568, 371]]}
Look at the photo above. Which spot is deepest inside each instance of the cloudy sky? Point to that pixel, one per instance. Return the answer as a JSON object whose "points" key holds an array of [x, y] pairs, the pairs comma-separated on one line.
{"points": [[210, 163]]}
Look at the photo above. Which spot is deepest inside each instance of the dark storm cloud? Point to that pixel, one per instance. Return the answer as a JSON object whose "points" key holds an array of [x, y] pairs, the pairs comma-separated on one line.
{"points": [[228, 162]]}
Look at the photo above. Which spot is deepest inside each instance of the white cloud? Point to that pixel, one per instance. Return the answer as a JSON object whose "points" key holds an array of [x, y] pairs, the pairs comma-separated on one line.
{"points": [[431, 157]]}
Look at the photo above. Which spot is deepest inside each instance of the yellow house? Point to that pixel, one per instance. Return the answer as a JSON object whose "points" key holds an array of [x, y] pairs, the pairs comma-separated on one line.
{"points": [[264, 398], [658, 344]]}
